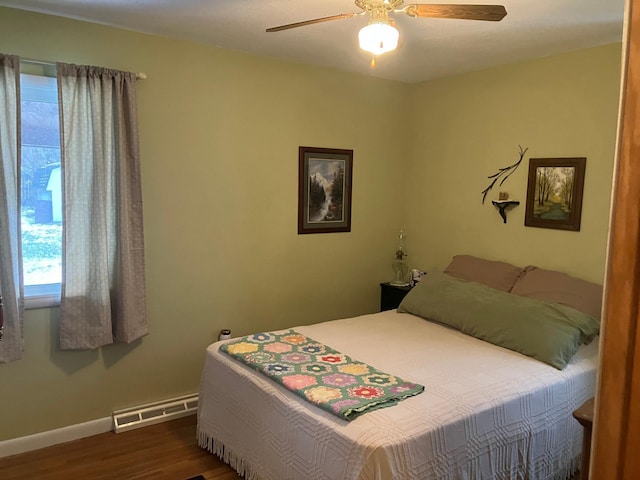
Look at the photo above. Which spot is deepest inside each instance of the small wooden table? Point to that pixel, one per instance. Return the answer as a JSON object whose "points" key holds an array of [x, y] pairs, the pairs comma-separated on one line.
{"points": [[584, 416]]}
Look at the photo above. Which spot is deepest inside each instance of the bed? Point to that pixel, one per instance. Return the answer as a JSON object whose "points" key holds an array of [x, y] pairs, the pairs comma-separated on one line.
{"points": [[487, 412]]}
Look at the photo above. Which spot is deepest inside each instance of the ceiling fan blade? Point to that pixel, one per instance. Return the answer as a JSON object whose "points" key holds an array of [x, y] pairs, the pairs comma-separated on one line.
{"points": [[342, 16], [492, 13]]}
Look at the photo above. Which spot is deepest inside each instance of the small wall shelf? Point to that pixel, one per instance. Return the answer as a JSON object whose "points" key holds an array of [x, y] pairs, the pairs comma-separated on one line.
{"points": [[502, 206]]}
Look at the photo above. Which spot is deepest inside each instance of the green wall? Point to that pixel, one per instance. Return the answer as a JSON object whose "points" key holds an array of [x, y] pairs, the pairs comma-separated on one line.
{"points": [[467, 127], [220, 132]]}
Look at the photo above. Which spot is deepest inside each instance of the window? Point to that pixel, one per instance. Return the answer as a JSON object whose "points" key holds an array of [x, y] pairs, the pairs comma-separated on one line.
{"points": [[41, 201]]}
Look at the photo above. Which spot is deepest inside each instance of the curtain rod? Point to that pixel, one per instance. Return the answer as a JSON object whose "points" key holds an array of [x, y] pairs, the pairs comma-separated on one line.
{"points": [[139, 76]]}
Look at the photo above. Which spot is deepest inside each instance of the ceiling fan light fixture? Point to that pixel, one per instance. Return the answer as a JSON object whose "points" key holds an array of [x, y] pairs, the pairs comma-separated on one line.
{"points": [[378, 37]]}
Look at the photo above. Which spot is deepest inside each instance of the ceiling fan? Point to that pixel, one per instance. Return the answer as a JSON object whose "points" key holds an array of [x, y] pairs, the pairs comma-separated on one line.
{"points": [[381, 36]]}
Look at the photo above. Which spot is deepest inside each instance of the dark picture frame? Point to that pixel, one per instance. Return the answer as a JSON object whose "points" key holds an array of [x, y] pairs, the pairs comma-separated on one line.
{"points": [[554, 193], [324, 190]]}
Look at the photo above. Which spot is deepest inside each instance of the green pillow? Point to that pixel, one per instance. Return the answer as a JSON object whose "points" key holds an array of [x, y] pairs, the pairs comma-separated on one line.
{"points": [[546, 331]]}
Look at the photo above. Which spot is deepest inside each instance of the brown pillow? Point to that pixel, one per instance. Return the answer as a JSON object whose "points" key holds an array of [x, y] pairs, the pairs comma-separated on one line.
{"points": [[558, 287], [494, 274]]}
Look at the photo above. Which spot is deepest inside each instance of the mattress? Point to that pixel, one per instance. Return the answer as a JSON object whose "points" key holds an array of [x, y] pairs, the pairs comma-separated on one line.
{"points": [[486, 412]]}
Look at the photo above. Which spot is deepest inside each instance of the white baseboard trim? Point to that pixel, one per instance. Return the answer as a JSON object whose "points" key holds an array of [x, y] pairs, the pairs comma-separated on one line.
{"points": [[15, 446]]}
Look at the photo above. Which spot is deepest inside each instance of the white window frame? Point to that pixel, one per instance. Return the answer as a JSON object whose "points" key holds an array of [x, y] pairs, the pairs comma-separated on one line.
{"points": [[45, 295], [42, 296]]}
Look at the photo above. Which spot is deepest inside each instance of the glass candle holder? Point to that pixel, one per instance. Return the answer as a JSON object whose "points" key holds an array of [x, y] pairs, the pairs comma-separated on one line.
{"points": [[399, 264]]}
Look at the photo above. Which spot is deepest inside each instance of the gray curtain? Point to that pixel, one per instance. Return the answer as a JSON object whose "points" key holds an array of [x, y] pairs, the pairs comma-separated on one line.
{"points": [[103, 283], [11, 289]]}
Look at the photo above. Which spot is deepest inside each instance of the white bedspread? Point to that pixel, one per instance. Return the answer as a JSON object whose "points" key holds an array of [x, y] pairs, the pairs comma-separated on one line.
{"points": [[486, 412]]}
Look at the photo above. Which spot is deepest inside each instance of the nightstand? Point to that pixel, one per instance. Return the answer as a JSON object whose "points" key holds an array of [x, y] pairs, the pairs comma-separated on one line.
{"points": [[392, 295]]}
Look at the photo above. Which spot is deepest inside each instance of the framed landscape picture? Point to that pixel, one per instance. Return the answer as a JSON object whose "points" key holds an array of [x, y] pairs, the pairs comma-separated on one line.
{"points": [[554, 193], [324, 190]]}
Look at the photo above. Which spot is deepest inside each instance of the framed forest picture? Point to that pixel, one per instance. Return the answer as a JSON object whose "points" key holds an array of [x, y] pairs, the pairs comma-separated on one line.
{"points": [[554, 193], [324, 190]]}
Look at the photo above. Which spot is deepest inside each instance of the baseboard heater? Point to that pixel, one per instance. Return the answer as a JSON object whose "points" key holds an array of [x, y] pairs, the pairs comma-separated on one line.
{"points": [[152, 413]]}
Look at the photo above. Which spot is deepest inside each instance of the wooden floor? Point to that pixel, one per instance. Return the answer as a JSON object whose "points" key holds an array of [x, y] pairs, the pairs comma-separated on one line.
{"points": [[167, 451]]}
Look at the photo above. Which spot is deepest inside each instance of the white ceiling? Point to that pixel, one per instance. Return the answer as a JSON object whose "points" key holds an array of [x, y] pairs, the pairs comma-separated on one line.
{"points": [[429, 48]]}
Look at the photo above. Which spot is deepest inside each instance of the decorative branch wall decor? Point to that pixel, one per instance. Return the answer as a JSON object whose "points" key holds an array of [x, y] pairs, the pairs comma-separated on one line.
{"points": [[503, 173]]}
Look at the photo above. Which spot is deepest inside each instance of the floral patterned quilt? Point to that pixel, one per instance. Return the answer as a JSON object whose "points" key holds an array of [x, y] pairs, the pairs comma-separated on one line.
{"points": [[327, 378]]}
